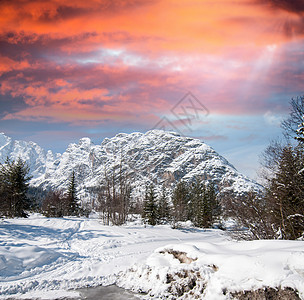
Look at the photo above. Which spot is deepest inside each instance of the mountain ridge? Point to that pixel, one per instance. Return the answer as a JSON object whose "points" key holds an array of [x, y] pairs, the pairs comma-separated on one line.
{"points": [[157, 156]]}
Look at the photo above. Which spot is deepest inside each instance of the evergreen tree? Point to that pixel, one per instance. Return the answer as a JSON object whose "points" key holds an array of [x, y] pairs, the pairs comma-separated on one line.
{"points": [[180, 200], [279, 211], [204, 206], [163, 207], [150, 205], [285, 194], [300, 132], [13, 188], [212, 206], [196, 210], [72, 207]]}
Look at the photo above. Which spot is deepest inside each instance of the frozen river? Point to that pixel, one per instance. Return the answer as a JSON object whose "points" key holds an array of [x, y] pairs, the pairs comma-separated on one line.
{"points": [[111, 292]]}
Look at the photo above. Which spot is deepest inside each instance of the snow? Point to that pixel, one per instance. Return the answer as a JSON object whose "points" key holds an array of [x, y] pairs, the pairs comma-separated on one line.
{"points": [[156, 155], [4, 140], [225, 266], [49, 258]]}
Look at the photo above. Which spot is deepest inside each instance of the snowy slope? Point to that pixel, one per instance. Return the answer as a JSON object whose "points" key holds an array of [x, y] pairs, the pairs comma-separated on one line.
{"points": [[156, 156], [44, 258]]}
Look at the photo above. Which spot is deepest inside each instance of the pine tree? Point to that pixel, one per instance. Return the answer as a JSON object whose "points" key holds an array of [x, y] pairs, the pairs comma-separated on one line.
{"points": [[5, 198], [196, 210], [279, 211], [212, 207], [300, 132], [203, 204], [72, 207], [180, 200], [285, 194], [164, 214], [14, 186], [150, 205]]}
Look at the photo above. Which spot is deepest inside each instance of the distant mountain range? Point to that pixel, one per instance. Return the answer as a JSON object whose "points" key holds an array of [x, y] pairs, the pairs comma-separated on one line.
{"points": [[157, 156]]}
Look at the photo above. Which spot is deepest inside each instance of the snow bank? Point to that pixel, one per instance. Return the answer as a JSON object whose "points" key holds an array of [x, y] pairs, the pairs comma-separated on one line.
{"points": [[215, 270]]}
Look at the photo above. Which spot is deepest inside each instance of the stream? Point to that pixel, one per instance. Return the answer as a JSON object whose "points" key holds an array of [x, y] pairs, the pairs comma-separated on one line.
{"points": [[111, 292]]}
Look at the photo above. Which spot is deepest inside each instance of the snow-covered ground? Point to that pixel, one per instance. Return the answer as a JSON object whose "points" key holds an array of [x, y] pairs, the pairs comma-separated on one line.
{"points": [[49, 258]]}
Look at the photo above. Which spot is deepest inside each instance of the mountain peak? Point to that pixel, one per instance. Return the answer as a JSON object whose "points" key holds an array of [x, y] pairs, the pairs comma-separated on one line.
{"points": [[162, 132], [85, 141], [4, 140]]}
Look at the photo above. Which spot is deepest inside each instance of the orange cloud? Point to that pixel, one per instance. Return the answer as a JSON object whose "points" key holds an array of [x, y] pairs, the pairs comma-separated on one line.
{"points": [[7, 64], [150, 26], [101, 59]]}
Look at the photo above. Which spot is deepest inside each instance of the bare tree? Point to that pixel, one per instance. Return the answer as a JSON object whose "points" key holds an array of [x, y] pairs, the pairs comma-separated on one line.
{"points": [[114, 197], [290, 125], [279, 211], [54, 205], [251, 213]]}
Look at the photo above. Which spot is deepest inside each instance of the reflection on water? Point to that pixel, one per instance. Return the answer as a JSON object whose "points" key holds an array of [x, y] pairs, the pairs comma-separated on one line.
{"points": [[111, 292]]}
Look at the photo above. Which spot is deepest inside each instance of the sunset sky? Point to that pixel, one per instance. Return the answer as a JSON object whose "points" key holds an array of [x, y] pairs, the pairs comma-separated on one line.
{"points": [[95, 68]]}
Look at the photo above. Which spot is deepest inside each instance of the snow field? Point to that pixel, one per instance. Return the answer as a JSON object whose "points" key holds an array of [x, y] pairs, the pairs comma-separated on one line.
{"points": [[39, 256], [50, 258]]}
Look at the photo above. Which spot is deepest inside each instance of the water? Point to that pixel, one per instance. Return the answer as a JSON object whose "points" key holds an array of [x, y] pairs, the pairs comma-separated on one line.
{"points": [[111, 292]]}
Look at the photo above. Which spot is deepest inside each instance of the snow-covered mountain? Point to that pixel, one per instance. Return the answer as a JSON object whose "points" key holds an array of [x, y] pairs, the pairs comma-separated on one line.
{"points": [[37, 158], [158, 156]]}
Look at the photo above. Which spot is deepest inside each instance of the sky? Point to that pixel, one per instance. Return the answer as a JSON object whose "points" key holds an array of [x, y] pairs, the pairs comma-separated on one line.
{"points": [[222, 71]]}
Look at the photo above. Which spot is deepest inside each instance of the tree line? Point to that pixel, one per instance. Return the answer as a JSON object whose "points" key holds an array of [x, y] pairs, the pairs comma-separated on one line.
{"points": [[16, 201], [278, 212], [196, 202]]}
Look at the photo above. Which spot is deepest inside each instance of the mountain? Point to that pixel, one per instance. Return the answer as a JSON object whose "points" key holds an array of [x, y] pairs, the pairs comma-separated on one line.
{"points": [[157, 156], [37, 159]]}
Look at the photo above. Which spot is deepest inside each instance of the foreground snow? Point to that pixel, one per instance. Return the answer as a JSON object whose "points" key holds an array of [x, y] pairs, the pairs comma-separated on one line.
{"points": [[48, 258], [215, 270]]}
